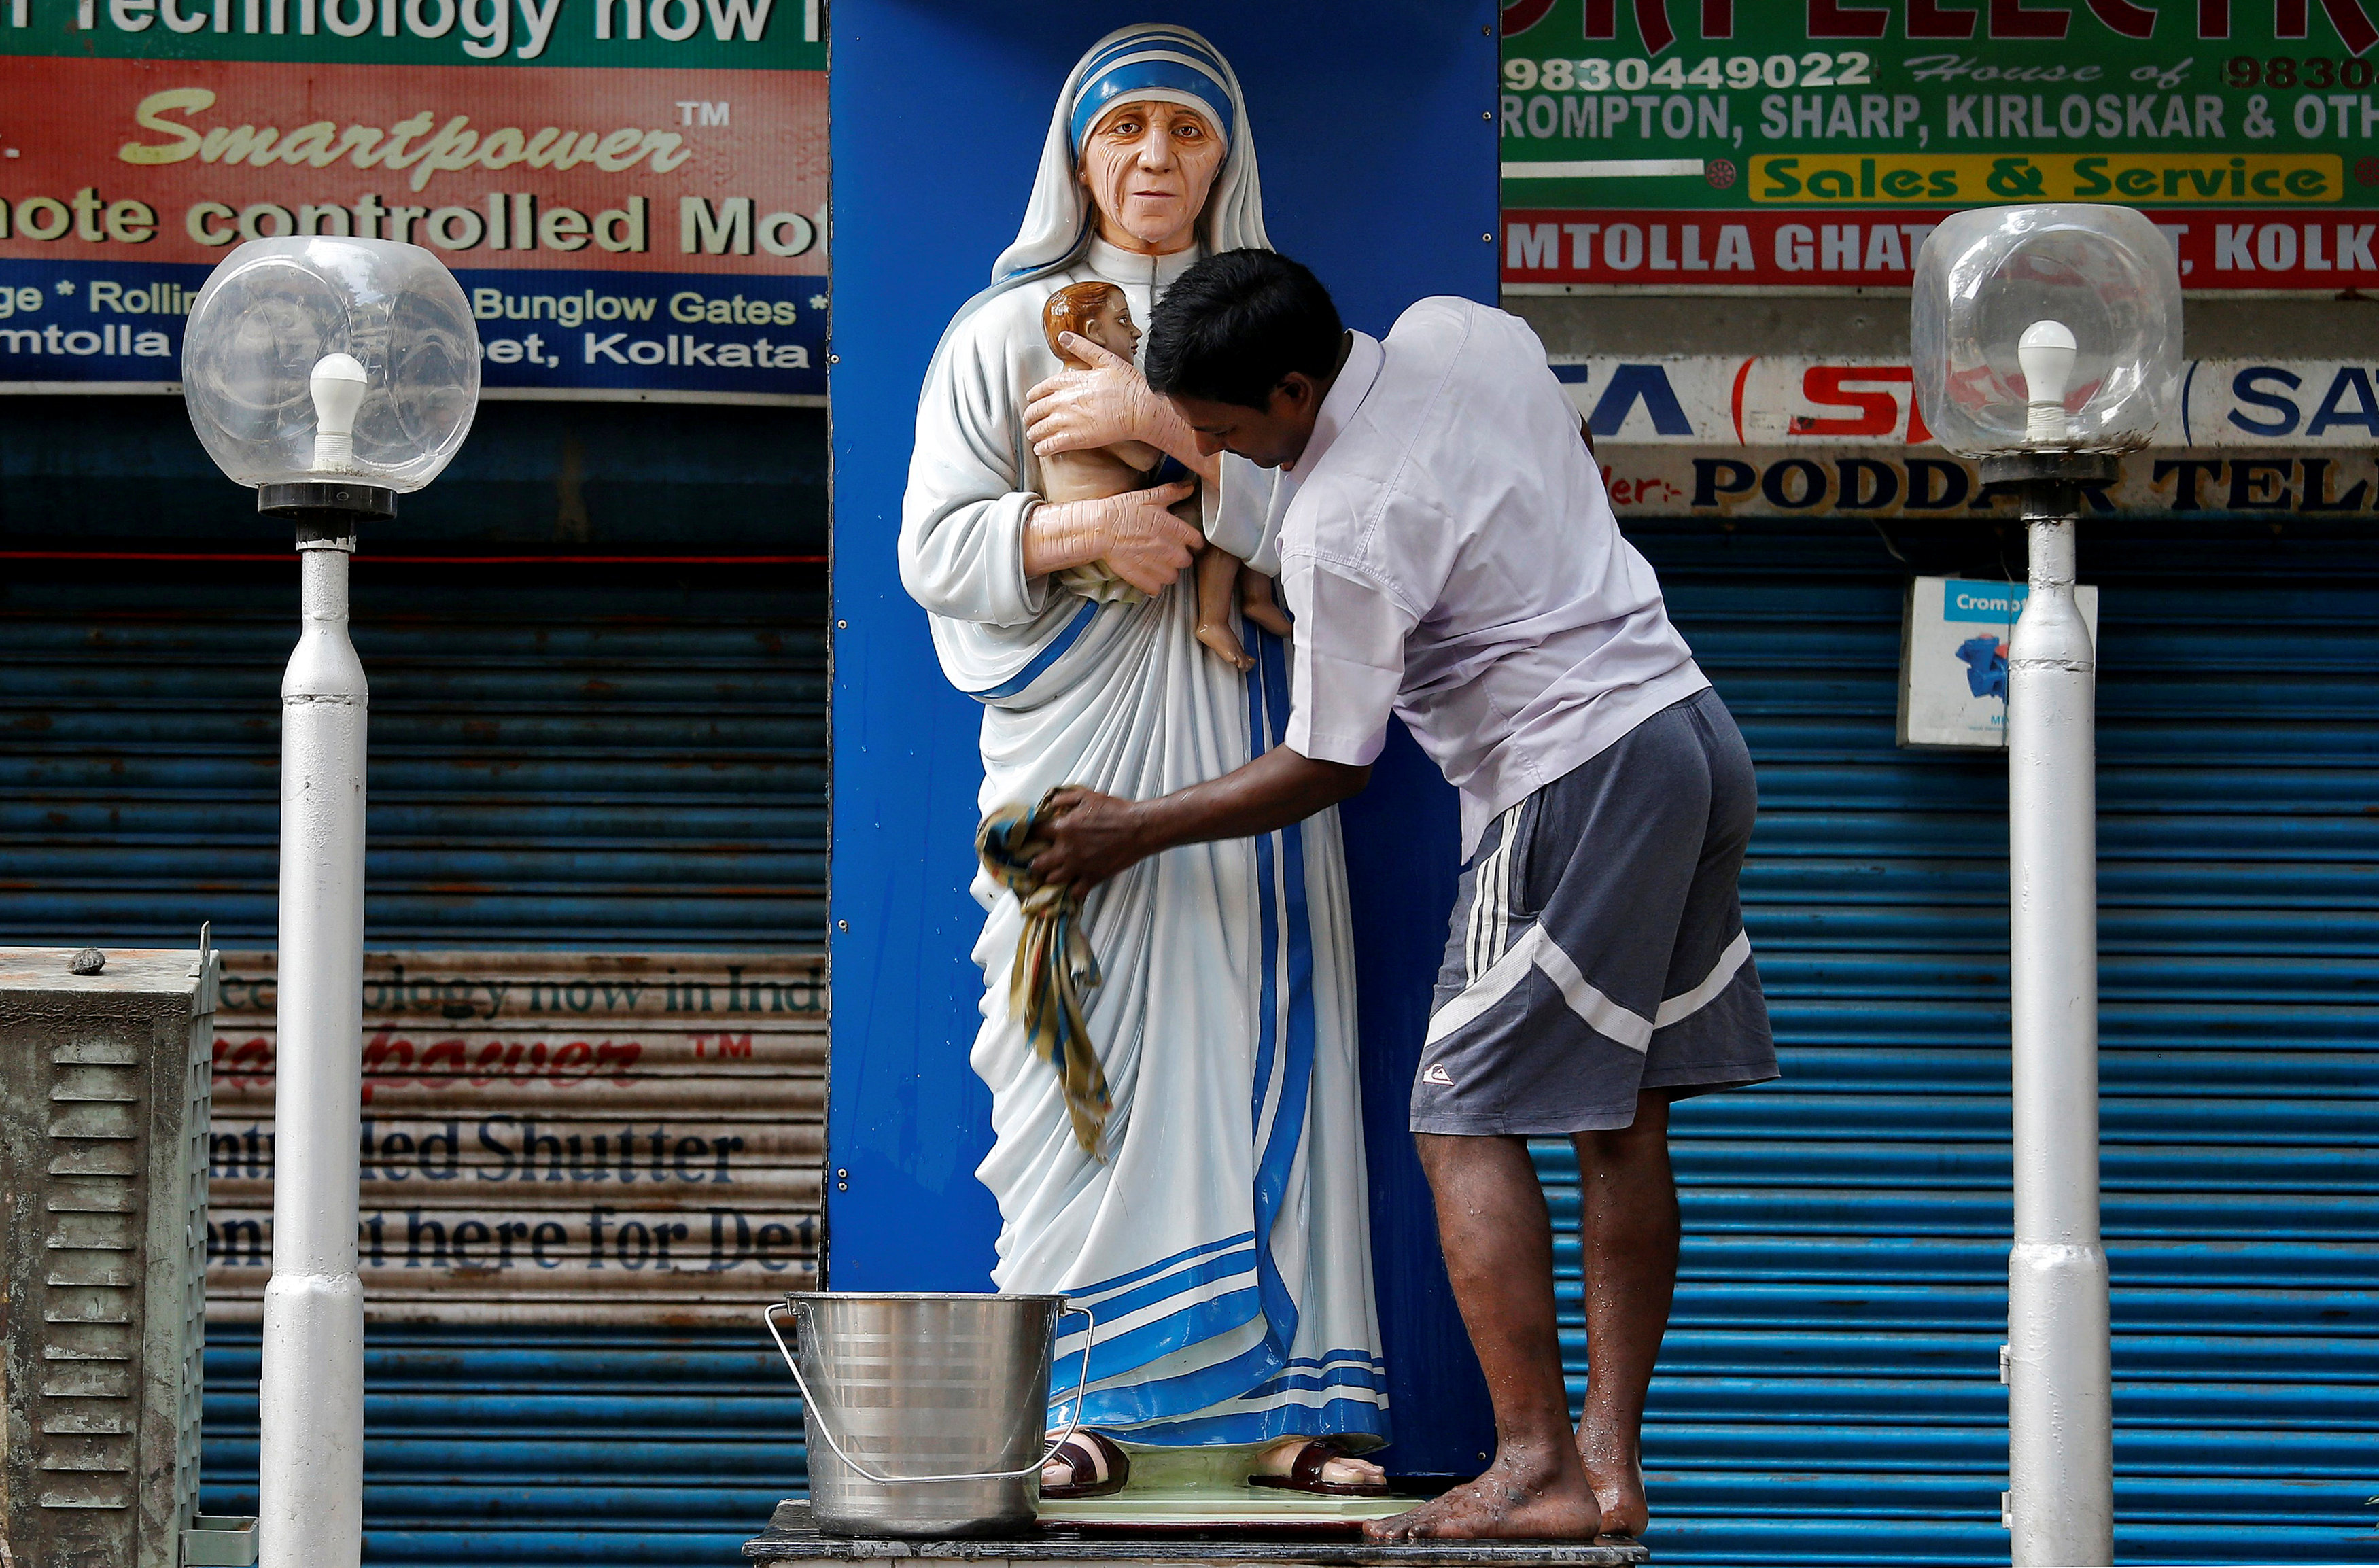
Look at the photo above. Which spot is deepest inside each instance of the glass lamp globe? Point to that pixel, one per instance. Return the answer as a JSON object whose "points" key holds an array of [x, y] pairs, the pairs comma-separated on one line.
{"points": [[326, 358], [2046, 329]]}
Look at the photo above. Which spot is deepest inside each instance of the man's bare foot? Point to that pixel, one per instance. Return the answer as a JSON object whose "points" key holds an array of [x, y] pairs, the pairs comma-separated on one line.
{"points": [[1280, 1459], [1552, 1504], [1616, 1472], [1226, 643]]}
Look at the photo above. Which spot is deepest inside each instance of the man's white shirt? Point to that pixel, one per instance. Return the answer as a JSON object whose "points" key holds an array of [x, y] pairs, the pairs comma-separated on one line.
{"points": [[1450, 556]]}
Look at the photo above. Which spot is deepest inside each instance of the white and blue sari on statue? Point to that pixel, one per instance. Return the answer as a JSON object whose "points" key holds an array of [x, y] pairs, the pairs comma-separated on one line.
{"points": [[1223, 1241]]}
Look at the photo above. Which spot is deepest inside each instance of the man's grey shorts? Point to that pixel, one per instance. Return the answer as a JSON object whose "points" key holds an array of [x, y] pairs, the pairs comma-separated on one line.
{"points": [[1598, 947]]}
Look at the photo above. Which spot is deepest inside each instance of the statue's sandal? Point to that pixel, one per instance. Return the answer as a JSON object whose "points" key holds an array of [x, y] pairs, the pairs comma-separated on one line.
{"points": [[1099, 1468], [1306, 1474]]}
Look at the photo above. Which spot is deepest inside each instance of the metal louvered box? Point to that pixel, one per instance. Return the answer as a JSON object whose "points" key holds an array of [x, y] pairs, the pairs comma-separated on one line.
{"points": [[104, 1097]]}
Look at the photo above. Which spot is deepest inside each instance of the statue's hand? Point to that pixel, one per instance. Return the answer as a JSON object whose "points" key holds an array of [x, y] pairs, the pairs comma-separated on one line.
{"points": [[1145, 544], [1090, 837], [1141, 541], [1078, 410]]}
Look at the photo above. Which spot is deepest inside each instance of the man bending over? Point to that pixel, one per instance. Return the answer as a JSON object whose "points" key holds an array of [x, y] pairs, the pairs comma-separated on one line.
{"points": [[1449, 557]]}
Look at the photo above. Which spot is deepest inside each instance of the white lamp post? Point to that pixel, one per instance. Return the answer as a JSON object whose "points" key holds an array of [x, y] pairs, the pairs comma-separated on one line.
{"points": [[2045, 340], [330, 374]]}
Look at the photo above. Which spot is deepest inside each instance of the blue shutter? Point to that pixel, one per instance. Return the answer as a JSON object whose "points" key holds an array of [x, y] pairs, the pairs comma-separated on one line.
{"points": [[567, 751], [562, 756], [570, 757], [507, 1444]]}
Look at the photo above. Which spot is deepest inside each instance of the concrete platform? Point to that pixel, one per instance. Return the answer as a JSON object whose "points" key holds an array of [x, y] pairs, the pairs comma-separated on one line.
{"points": [[790, 1537], [1237, 1508]]}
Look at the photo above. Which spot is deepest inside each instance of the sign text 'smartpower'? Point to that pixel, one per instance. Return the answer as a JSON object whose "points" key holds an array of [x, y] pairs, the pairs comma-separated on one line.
{"points": [[2248, 131], [575, 161]]}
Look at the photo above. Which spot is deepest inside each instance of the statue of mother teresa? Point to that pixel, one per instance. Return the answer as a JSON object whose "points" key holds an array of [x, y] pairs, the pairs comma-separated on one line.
{"points": [[1220, 1232]]}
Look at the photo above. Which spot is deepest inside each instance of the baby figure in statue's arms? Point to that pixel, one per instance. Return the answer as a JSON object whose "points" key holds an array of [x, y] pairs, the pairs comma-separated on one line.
{"points": [[1099, 312]]}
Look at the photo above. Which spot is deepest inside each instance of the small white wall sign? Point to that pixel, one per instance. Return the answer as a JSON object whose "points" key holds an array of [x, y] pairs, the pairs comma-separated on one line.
{"points": [[1953, 659]]}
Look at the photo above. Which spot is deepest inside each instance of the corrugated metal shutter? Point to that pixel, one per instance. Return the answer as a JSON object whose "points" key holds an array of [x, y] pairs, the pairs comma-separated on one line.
{"points": [[1829, 1391], [657, 1447], [572, 755], [565, 755]]}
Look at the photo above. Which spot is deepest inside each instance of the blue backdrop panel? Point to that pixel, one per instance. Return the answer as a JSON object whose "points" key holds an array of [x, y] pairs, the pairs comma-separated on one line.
{"points": [[1377, 132]]}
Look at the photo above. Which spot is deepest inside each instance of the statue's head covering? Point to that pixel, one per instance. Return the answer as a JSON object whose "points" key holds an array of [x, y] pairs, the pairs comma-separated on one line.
{"points": [[1135, 65], [1151, 65]]}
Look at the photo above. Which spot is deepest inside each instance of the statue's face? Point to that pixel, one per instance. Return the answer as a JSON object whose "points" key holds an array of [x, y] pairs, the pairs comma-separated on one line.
{"points": [[1111, 326], [1148, 167]]}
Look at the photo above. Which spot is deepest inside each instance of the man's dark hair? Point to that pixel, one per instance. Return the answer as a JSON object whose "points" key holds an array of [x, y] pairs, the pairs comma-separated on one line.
{"points": [[1233, 326]]}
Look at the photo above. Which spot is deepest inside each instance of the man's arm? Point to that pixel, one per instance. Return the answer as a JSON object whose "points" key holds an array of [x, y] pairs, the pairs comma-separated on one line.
{"points": [[1091, 836]]}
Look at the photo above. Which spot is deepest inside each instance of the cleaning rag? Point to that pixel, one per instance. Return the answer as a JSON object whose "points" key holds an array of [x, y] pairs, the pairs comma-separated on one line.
{"points": [[1054, 968]]}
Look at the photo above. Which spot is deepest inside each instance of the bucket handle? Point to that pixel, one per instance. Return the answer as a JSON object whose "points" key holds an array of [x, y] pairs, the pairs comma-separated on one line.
{"points": [[810, 1405]]}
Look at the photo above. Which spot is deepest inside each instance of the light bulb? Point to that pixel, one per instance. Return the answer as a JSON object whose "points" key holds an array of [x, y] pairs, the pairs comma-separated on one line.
{"points": [[338, 384], [2046, 352]]}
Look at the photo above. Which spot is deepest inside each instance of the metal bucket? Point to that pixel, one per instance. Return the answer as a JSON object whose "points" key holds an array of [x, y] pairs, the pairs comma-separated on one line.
{"points": [[931, 1406]]}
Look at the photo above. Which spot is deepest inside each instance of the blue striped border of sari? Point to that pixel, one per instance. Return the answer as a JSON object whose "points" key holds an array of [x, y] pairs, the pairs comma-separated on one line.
{"points": [[1065, 638], [1266, 1367]]}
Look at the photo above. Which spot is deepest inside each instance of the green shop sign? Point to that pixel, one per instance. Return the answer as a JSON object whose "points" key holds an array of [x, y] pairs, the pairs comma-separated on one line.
{"points": [[1812, 142]]}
